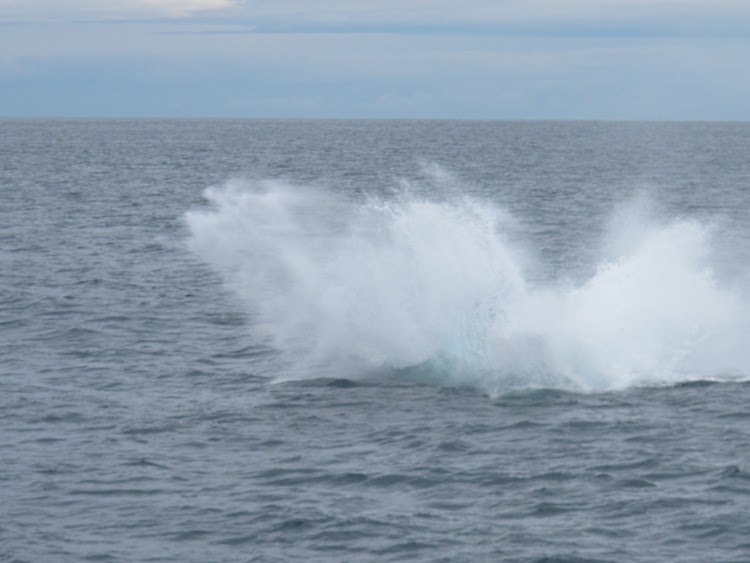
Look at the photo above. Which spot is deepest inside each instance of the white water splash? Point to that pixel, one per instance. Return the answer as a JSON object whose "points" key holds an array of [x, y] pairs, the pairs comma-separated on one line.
{"points": [[437, 288]]}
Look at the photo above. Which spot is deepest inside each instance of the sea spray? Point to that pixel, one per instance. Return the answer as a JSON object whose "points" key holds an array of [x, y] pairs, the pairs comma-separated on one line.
{"points": [[437, 288]]}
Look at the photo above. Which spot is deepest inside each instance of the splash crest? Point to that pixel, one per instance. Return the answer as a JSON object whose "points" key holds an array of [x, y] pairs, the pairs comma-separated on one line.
{"points": [[413, 285]]}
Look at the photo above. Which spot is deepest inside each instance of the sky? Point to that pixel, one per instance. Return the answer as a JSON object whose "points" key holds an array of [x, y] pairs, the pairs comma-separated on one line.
{"points": [[454, 59]]}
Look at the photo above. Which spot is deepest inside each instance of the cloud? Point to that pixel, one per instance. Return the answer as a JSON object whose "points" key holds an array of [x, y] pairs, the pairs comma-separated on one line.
{"points": [[481, 11], [411, 12], [55, 10], [651, 59], [563, 17], [184, 7]]}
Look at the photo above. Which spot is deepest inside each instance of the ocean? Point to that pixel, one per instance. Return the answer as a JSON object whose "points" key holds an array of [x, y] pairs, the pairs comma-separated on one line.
{"points": [[342, 340]]}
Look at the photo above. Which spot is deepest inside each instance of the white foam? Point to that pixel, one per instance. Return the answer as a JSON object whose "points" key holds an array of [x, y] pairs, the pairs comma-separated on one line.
{"points": [[345, 287]]}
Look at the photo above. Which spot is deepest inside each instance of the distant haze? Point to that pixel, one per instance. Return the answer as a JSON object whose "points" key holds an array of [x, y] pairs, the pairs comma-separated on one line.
{"points": [[478, 59]]}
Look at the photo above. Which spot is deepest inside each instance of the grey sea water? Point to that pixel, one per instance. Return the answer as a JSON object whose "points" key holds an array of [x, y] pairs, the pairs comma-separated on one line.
{"points": [[374, 341]]}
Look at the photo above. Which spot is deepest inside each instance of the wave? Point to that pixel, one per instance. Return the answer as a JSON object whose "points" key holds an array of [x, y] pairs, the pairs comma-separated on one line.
{"points": [[441, 289]]}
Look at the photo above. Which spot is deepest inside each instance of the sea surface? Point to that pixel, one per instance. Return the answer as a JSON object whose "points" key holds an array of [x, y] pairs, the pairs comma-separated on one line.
{"points": [[289, 340]]}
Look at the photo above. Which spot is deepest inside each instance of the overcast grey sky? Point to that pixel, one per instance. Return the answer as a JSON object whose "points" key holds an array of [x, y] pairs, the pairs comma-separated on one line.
{"points": [[501, 59]]}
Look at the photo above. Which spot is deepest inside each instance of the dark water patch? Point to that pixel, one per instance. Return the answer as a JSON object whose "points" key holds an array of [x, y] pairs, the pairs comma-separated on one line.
{"points": [[272, 443], [100, 557], [707, 532], [406, 549], [653, 436], [634, 484], [735, 415], [671, 503], [697, 384], [231, 418], [570, 559], [537, 397], [226, 319], [296, 525], [582, 426], [117, 481], [240, 540], [733, 472], [549, 509], [455, 446], [155, 429], [242, 514], [612, 533], [146, 463], [646, 463], [192, 535], [493, 479], [465, 391], [342, 383], [48, 440], [62, 418], [449, 506], [678, 474], [197, 373], [733, 489], [348, 478], [400, 480], [345, 530], [335, 479], [111, 319], [523, 425], [554, 476], [192, 444], [332, 382], [9, 324], [246, 352], [119, 492], [282, 472], [79, 354], [291, 402], [60, 469]]}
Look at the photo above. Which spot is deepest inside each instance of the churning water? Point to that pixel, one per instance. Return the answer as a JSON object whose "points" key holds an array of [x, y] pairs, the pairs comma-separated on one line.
{"points": [[405, 282], [345, 340]]}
